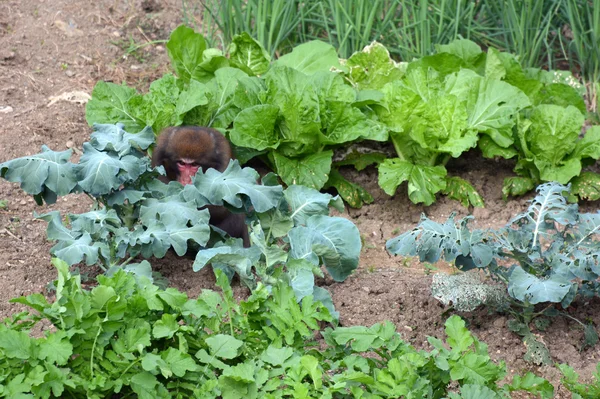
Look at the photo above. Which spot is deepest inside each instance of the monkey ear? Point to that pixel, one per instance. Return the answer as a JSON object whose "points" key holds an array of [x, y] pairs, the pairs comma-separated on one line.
{"points": [[158, 155]]}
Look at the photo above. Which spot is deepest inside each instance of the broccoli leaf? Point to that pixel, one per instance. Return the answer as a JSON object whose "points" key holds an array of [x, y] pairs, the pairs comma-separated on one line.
{"points": [[48, 174], [333, 240], [305, 202], [115, 138], [101, 172], [529, 288], [219, 188]]}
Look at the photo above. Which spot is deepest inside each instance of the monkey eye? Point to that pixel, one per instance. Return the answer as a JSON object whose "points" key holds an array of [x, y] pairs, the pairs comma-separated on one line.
{"points": [[181, 163]]}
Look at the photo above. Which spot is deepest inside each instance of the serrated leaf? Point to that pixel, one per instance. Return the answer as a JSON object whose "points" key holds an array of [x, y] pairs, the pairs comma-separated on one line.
{"points": [[310, 171], [532, 384], [247, 54], [459, 337], [254, 127], [475, 391], [423, 181], [224, 346], [178, 362], [145, 385], [110, 104], [16, 344]]}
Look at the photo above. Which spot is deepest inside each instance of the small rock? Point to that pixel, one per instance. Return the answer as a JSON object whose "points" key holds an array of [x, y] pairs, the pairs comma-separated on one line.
{"points": [[6, 109], [366, 289], [116, 33], [69, 73], [70, 144], [69, 29], [7, 55], [408, 328], [160, 49], [23, 202], [499, 323], [136, 67], [481, 213]]}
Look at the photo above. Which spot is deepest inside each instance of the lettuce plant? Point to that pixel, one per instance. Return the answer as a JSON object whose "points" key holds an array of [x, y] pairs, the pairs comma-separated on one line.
{"points": [[440, 106], [135, 215], [294, 113]]}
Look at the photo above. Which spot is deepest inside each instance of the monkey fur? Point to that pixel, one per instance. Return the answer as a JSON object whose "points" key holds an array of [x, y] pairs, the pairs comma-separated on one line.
{"points": [[182, 151]]}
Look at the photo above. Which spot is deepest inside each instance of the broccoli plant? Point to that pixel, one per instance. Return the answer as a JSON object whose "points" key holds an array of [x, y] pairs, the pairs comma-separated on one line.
{"points": [[554, 251], [137, 216]]}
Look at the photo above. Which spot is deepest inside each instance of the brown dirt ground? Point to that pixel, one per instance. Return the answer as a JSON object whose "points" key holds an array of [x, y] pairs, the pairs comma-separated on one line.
{"points": [[49, 47]]}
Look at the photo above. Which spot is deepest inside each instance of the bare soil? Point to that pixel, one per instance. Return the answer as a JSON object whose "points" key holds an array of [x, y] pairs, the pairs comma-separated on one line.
{"points": [[51, 47]]}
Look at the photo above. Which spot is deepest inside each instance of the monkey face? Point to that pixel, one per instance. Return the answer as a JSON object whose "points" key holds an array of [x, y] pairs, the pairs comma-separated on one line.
{"points": [[183, 150], [186, 168]]}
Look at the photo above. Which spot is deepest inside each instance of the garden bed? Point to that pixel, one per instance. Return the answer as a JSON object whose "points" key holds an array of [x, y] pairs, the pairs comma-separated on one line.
{"points": [[49, 48]]}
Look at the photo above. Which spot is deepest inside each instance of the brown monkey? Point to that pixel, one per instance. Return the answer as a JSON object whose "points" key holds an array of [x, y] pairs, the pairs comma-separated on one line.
{"points": [[183, 150]]}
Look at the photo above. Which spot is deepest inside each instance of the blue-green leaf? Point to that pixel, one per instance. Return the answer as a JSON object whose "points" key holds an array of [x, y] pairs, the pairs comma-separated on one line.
{"points": [[332, 241]]}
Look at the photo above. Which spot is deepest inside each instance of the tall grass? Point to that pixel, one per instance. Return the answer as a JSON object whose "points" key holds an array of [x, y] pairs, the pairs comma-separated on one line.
{"points": [[582, 46], [270, 22], [524, 27], [540, 33]]}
